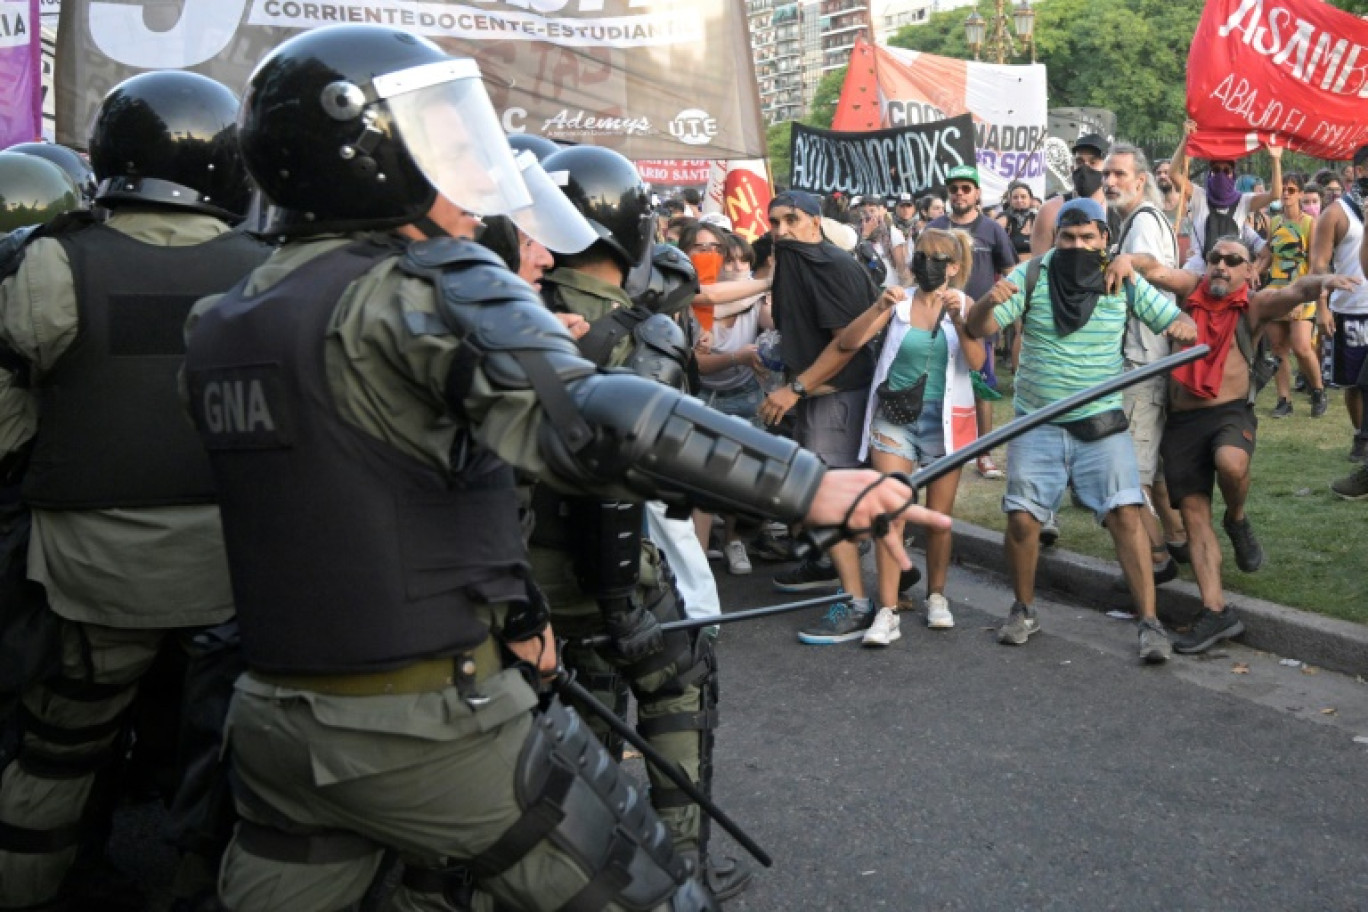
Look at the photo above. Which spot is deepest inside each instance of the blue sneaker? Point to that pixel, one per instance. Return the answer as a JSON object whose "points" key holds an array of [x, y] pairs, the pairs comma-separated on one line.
{"points": [[842, 622]]}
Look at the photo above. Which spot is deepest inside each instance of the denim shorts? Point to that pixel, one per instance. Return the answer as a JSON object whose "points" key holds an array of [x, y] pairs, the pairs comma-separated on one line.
{"points": [[1041, 462], [743, 401], [920, 442]]}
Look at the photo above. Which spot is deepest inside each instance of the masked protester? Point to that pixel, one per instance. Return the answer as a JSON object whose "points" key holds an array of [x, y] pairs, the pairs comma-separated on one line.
{"points": [[1072, 330], [1018, 217], [1216, 207]]}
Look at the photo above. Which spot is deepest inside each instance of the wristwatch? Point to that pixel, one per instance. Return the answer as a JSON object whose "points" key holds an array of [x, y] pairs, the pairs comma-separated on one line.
{"points": [[798, 389]]}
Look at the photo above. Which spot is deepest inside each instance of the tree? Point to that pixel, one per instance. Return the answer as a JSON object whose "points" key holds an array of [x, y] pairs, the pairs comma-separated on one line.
{"points": [[777, 138], [1126, 55], [824, 100]]}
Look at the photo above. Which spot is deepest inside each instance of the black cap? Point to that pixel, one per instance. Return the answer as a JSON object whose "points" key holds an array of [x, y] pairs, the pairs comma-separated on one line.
{"points": [[1095, 141], [1360, 156]]}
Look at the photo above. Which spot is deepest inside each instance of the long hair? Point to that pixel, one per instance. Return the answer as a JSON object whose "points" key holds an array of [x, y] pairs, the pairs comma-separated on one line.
{"points": [[955, 243]]}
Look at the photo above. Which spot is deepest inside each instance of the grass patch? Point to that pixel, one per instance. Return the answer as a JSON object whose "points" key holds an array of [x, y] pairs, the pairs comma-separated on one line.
{"points": [[1313, 542]]}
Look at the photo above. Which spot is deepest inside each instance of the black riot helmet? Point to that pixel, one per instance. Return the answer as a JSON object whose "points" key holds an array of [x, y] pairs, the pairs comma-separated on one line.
{"points": [[169, 138], [69, 160], [33, 191], [361, 126], [608, 191], [539, 146]]}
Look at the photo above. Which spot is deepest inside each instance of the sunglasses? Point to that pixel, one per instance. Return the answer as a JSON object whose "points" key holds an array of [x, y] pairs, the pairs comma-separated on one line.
{"points": [[1230, 259], [961, 188], [923, 256]]}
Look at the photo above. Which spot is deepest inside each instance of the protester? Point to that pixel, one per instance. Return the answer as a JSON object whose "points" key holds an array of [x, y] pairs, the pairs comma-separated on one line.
{"points": [[876, 228], [818, 290], [730, 370], [1072, 330], [924, 345], [1132, 195], [1210, 434], [1217, 208], [930, 207], [1289, 246], [1343, 314], [1332, 187], [1312, 199], [905, 219], [1170, 193], [1018, 217], [1089, 151], [994, 255]]}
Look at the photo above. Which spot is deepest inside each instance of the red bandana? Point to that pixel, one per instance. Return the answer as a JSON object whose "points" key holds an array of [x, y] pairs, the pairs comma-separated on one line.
{"points": [[1216, 319]]}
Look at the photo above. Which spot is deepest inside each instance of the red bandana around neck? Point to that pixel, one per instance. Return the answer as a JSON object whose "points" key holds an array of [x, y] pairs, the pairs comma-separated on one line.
{"points": [[1216, 319]]}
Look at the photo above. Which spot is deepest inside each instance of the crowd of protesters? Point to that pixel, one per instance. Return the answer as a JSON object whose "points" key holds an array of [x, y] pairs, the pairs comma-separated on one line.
{"points": [[874, 300]]}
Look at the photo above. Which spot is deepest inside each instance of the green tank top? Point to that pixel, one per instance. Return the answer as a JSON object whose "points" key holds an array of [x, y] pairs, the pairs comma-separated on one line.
{"points": [[912, 356]]}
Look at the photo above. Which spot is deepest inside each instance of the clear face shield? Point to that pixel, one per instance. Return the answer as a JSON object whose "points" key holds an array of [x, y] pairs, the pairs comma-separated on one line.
{"points": [[552, 220], [449, 127]]}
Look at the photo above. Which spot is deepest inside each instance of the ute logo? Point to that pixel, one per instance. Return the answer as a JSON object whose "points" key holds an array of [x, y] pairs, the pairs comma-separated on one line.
{"points": [[693, 126]]}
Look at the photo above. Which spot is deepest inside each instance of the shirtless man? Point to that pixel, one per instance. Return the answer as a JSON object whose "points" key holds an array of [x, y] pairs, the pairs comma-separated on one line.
{"points": [[1209, 433]]}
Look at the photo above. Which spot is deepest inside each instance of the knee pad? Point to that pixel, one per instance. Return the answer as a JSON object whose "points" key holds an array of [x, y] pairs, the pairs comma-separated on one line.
{"points": [[575, 796]]}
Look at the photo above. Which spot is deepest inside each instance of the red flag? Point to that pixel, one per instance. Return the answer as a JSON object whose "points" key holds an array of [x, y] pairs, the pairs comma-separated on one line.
{"points": [[1294, 74]]}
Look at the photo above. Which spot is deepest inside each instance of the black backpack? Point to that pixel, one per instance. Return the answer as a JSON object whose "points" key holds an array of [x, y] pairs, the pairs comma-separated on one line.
{"points": [[1220, 222]]}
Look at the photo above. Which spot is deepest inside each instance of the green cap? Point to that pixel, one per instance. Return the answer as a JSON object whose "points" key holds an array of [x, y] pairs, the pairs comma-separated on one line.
{"points": [[963, 172]]}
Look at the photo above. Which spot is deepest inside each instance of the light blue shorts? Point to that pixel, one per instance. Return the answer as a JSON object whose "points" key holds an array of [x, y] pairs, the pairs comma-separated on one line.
{"points": [[1042, 462], [920, 442]]}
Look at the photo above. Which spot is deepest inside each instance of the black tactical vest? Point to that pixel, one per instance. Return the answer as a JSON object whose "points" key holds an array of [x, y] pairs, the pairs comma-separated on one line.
{"points": [[347, 556], [113, 430]]}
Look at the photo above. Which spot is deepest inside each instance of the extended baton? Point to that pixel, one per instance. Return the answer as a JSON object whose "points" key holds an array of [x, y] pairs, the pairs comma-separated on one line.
{"points": [[731, 617], [826, 536], [572, 690]]}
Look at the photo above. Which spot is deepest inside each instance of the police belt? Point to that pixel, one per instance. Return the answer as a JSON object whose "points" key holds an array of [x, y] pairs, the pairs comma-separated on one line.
{"points": [[460, 671]]}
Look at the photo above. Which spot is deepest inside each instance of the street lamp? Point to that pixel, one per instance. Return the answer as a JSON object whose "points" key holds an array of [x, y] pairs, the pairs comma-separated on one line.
{"points": [[996, 36]]}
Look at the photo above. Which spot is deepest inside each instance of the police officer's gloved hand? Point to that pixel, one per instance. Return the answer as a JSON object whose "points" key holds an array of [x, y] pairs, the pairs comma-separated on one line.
{"points": [[635, 633]]}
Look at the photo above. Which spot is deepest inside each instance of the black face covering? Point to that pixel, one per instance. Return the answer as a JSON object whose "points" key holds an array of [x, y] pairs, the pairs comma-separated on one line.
{"points": [[1361, 185], [1076, 282], [929, 271], [1086, 181]]}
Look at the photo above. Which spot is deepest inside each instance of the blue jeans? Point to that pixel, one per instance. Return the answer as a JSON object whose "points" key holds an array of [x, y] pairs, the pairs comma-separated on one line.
{"points": [[1041, 462], [743, 401], [920, 442]]}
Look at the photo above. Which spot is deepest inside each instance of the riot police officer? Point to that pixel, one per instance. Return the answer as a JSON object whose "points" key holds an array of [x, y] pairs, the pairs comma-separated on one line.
{"points": [[591, 557], [362, 397], [33, 192], [126, 538]]}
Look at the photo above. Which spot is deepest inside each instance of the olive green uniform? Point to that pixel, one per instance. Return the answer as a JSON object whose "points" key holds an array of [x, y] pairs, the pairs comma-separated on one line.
{"points": [[576, 615], [125, 580], [428, 773]]}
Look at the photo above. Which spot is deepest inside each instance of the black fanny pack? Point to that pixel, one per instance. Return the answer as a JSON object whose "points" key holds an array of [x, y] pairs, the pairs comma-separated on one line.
{"points": [[1103, 424]]}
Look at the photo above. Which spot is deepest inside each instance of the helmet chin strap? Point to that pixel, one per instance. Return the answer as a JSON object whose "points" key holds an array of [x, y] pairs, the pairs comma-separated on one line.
{"points": [[430, 228]]}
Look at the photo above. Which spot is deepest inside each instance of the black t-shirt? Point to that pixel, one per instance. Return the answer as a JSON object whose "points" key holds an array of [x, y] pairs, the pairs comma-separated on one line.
{"points": [[818, 290], [993, 252]]}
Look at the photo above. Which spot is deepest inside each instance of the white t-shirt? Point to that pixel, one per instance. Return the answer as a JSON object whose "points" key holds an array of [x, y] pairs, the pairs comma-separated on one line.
{"points": [[1199, 209], [728, 339], [1147, 230], [896, 240]]}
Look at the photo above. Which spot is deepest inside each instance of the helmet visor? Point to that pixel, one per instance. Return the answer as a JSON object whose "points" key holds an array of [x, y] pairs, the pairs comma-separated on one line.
{"points": [[552, 220], [449, 127]]}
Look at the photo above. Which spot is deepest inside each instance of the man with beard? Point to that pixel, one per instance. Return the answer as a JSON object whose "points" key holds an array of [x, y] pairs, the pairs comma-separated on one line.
{"points": [[1170, 193], [1088, 152], [1132, 197], [1217, 208], [1209, 435], [1071, 339], [993, 257], [818, 290]]}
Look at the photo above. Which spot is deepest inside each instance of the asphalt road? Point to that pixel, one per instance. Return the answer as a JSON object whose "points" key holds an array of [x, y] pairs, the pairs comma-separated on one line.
{"points": [[950, 773]]}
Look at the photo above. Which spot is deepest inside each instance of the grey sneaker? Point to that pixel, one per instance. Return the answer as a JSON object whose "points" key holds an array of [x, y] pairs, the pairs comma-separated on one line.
{"points": [[1283, 408], [1049, 531], [1021, 623], [1248, 552], [842, 622], [1155, 648], [1353, 486], [1210, 629]]}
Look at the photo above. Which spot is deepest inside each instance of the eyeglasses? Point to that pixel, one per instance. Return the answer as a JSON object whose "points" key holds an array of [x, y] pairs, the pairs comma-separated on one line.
{"points": [[1230, 259], [961, 188], [1332, 190], [704, 248]]}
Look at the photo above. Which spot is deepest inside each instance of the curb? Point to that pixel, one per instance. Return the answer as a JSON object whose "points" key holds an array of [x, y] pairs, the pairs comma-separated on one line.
{"points": [[1088, 581]]}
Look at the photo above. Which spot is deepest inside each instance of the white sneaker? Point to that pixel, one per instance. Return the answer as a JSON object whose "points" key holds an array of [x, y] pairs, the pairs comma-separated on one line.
{"points": [[938, 616], [884, 630], [738, 562]]}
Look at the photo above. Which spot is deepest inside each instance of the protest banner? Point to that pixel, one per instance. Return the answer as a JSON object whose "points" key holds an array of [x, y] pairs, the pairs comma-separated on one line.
{"points": [[1066, 126], [674, 172], [1292, 73], [671, 79], [21, 102], [880, 163], [741, 190], [893, 87]]}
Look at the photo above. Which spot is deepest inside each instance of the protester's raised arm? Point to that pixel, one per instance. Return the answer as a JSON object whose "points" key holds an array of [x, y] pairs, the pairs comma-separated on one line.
{"points": [[1275, 187], [1178, 165]]}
